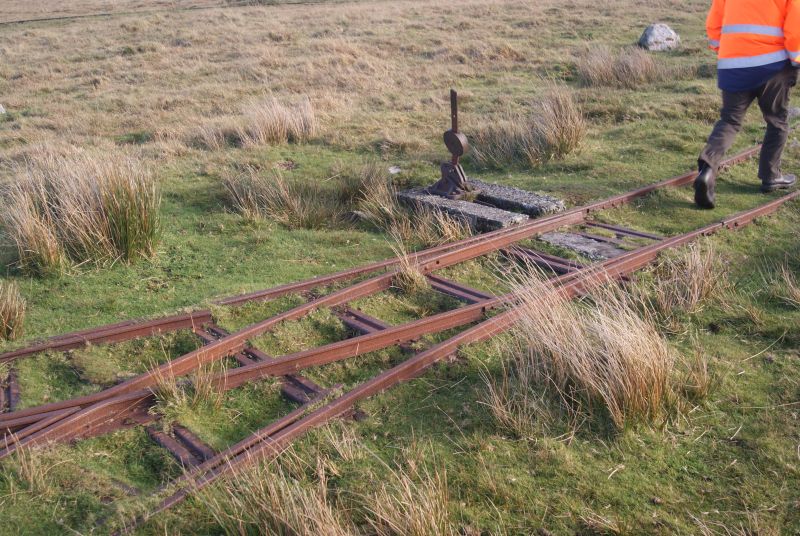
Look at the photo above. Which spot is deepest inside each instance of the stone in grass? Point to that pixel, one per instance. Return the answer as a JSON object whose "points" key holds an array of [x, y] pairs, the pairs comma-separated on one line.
{"points": [[592, 249], [518, 200], [479, 217], [2, 110], [659, 37]]}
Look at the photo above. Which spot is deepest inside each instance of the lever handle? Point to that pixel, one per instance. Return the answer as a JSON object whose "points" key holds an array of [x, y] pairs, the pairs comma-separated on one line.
{"points": [[454, 109]]}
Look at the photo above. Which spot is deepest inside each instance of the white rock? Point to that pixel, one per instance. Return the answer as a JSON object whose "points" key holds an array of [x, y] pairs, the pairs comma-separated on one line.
{"points": [[2, 110], [394, 170], [659, 37]]}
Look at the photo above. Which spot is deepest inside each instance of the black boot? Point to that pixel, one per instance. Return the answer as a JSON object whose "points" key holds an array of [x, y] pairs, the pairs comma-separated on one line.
{"points": [[781, 183], [704, 185]]}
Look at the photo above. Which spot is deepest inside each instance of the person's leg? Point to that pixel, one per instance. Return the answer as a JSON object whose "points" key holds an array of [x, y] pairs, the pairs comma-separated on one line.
{"points": [[773, 99], [734, 108]]}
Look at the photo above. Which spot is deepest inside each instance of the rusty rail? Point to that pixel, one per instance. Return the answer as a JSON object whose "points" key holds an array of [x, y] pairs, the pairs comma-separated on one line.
{"points": [[93, 415], [132, 329], [271, 440], [129, 403]]}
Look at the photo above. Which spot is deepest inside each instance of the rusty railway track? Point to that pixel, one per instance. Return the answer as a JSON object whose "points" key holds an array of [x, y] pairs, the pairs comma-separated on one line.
{"points": [[129, 403]]}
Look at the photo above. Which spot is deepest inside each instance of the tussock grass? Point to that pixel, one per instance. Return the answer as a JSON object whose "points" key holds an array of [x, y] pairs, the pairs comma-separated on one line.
{"points": [[268, 499], [629, 67], [601, 354], [267, 121], [294, 204], [555, 128], [80, 207], [379, 206], [426, 228], [684, 282], [783, 284], [413, 502], [175, 396], [33, 469], [12, 311], [362, 191], [698, 379], [272, 122], [409, 278], [292, 496], [354, 184], [216, 134]]}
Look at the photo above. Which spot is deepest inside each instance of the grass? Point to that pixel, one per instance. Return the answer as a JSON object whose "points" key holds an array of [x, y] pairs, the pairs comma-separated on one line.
{"points": [[145, 83], [603, 359], [12, 311], [629, 67], [295, 205], [80, 207], [177, 396], [409, 278], [269, 500], [784, 285], [290, 496], [554, 128], [684, 282]]}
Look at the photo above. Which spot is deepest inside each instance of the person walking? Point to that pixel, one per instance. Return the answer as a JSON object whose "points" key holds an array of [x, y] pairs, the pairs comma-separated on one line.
{"points": [[758, 49]]}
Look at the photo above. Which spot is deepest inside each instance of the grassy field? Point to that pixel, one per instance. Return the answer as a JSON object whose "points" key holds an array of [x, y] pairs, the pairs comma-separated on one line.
{"points": [[175, 88]]}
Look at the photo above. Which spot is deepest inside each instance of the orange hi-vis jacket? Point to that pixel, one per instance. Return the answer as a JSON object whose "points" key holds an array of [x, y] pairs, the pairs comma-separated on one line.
{"points": [[752, 33]]}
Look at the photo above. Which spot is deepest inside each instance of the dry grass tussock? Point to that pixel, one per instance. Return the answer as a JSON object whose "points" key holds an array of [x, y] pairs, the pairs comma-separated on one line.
{"points": [[629, 67], [555, 128], [365, 192], [306, 204], [697, 380], [601, 353], [33, 470], [177, 395], [783, 284], [262, 122], [12, 311], [413, 502], [292, 203], [684, 282], [268, 499], [379, 206], [409, 277], [80, 206], [290, 497]]}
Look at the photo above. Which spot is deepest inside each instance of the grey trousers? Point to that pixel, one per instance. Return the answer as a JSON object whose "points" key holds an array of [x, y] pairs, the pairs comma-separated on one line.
{"points": [[773, 99]]}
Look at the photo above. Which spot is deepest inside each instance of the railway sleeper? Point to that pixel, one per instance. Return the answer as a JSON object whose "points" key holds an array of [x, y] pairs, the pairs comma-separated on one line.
{"points": [[360, 323], [9, 394], [623, 231], [558, 265], [457, 290], [295, 388]]}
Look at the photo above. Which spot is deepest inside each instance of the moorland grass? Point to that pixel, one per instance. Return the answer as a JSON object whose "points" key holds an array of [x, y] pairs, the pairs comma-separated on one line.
{"points": [[80, 207], [378, 75], [12, 311], [553, 129]]}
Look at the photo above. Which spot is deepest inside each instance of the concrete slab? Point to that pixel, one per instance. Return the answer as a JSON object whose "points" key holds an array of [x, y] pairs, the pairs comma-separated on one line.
{"points": [[592, 249], [515, 199], [479, 216]]}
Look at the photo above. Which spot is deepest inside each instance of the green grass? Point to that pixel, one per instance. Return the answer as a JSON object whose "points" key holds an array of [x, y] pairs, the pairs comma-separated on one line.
{"points": [[730, 462]]}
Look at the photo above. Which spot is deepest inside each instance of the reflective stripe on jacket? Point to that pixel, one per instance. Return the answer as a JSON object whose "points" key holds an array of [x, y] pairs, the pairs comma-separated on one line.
{"points": [[751, 33]]}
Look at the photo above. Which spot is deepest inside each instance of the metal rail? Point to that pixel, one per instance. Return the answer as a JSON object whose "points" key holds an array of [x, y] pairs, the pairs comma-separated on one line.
{"points": [[128, 402], [271, 440], [132, 329]]}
